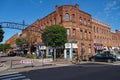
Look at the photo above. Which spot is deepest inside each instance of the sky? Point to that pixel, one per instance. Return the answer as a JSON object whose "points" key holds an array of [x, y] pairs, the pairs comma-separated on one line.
{"points": [[107, 11]]}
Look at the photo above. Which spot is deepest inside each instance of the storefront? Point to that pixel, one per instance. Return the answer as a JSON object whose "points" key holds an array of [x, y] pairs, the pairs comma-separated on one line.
{"points": [[98, 47], [70, 50], [107, 47]]}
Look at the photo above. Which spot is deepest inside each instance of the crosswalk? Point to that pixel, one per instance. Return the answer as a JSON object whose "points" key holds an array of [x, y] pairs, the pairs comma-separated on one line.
{"points": [[13, 76]]}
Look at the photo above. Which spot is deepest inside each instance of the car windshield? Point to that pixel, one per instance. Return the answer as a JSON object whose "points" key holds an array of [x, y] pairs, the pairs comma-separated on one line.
{"points": [[98, 55]]}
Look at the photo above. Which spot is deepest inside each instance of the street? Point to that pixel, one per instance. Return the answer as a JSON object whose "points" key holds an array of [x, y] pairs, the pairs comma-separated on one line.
{"points": [[78, 72], [87, 71], [83, 71]]}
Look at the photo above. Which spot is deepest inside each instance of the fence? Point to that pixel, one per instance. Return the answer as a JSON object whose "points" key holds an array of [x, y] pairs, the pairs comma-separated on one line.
{"points": [[30, 62]]}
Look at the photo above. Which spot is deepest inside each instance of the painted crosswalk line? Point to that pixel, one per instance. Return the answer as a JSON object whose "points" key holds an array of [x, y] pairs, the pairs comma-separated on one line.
{"points": [[13, 76]]}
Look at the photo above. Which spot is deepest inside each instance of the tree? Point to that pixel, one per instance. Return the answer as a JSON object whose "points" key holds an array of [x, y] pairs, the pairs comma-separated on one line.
{"points": [[4, 47], [1, 34], [21, 42], [54, 36]]}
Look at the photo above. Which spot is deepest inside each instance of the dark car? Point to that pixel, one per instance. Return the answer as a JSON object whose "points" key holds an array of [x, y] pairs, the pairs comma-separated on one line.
{"points": [[103, 57]]}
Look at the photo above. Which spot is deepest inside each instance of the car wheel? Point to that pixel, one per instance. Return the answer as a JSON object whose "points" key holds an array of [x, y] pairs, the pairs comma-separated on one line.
{"points": [[109, 60], [93, 60]]}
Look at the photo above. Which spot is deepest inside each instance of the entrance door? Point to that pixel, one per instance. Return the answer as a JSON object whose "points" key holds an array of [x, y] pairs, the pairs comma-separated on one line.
{"points": [[68, 53]]}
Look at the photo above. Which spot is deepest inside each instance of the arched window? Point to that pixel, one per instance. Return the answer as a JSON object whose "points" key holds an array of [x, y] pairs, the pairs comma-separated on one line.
{"points": [[67, 17]]}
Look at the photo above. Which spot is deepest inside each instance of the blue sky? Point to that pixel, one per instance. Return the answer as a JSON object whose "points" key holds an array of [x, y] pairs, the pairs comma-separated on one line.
{"points": [[107, 11]]}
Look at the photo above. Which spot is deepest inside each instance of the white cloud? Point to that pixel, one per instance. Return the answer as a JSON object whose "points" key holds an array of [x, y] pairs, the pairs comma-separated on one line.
{"points": [[111, 7], [36, 2]]}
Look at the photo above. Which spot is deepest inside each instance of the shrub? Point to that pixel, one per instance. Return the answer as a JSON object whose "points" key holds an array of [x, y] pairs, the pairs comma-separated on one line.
{"points": [[31, 56]]}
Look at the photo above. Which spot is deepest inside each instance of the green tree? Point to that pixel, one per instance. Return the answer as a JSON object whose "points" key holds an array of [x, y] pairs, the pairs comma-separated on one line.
{"points": [[21, 42], [54, 36], [4, 47], [1, 34]]}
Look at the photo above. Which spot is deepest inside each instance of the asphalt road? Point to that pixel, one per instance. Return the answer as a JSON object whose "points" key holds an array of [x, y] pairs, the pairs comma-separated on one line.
{"points": [[89, 71]]}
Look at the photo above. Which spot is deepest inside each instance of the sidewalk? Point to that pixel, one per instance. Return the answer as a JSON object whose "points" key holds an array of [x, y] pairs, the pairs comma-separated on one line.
{"points": [[17, 66], [3, 67], [6, 63]]}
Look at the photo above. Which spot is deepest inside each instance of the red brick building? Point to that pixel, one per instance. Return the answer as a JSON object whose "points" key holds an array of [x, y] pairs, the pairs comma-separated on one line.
{"points": [[85, 34], [101, 35], [115, 40], [77, 23], [12, 40]]}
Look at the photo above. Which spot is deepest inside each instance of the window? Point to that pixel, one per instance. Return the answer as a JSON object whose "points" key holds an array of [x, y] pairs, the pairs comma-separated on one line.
{"points": [[81, 20], [68, 32], [67, 17], [60, 18], [89, 23], [54, 22], [89, 35], [74, 32], [85, 36], [81, 34], [85, 22], [82, 49], [97, 29], [89, 50], [73, 18]]}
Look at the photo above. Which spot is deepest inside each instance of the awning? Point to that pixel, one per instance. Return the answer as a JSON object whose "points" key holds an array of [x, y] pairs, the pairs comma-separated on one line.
{"points": [[98, 46], [107, 44]]}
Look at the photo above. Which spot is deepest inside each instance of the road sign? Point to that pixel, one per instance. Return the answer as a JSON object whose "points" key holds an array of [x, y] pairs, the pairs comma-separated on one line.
{"points": [[27, 61]]}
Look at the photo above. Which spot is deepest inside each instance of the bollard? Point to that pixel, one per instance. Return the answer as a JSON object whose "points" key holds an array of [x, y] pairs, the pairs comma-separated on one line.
{"points": [[11, 64], [32, 63]]}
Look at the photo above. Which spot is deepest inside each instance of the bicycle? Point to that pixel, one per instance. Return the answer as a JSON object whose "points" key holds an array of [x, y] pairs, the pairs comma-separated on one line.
{"points": [[76, 59]]}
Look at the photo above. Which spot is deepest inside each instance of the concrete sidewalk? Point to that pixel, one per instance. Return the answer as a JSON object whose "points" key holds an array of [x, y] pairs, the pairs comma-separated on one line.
{"points": [[3, 67], [5, 64]]}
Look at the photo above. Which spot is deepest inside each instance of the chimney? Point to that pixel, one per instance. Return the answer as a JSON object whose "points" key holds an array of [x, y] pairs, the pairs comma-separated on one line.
{"points": [[77, 6]]}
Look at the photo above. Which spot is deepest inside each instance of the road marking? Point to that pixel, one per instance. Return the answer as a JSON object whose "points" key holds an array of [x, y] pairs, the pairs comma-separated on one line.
{"points": [[15, 78], [8, 73], [12, 76], [26, 79]]}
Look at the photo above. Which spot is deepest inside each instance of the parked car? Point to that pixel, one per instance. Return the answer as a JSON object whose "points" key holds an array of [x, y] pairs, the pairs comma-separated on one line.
{"points": [[103, 57], [117, 56]]}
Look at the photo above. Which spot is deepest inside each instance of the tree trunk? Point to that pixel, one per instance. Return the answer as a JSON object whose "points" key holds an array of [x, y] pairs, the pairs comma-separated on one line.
{"points": [[54, 53]]}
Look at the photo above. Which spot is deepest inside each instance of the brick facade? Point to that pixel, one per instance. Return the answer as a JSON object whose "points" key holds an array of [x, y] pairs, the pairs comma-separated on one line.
{"points": [[81, 28], [12, 40]]}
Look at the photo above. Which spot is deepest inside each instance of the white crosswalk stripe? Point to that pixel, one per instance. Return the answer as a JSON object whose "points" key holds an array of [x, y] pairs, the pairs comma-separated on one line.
{"points": [[13, 76]]}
